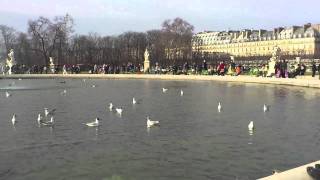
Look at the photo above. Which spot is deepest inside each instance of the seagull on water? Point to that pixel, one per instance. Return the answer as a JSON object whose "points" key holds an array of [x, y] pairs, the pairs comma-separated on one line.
{"points": [[93, 86], [250, 126], [151, 123], [265, 108], [164, 90], [134, 101], [8, 94], [110, 106], [181, 92], [13, 120], [47, 112], [94, 123], [64, 92], [219, 107], [39, 119], [119, 110], [48, 123]]}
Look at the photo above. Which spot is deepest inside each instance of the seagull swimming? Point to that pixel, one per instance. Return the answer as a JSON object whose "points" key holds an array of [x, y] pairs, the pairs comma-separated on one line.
{"points": [[93, 86], [151, 123], [164, 90], [110, 106], [64, 92], [250, 126], [13, 120], [47, 112], [8, 94], [265, 108], [94, 123], [181, 92], [134, 101], [119, 111], [48, 123], [39, 119], [219, 107]]}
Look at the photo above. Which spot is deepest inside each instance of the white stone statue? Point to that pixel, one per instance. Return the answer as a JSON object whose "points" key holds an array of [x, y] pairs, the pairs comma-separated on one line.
{"points": [[52, 66], [297, 62], [231, 70], [275, 56], [10, 61], [146, 64]]}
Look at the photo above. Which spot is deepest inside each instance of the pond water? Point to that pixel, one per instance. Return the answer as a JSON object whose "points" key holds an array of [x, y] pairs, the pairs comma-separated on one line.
{"points": [[193, 141]]}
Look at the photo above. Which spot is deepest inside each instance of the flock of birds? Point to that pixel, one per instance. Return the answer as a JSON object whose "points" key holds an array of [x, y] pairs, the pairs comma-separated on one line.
{"points": [[45, 122], [150, 123]]}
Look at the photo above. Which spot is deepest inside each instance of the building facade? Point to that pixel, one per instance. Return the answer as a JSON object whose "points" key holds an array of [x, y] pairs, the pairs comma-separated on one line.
{"points": [[303, 41]]}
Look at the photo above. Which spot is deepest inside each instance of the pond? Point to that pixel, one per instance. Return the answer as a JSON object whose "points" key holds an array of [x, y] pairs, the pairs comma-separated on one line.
{"points": [[193, 141]]}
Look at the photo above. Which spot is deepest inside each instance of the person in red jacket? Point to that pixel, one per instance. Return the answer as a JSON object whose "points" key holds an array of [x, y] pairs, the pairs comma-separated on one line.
{"points": [[221, 69]]}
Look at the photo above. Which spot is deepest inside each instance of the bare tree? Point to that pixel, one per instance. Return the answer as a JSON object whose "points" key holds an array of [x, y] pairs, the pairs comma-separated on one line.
{"points": [[178, 38], [47, 35], [8, 36]]}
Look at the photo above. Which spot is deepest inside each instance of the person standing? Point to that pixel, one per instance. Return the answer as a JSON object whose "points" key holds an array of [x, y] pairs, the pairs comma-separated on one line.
{"points": [[314, 69], [303, 70], [319, 70]]}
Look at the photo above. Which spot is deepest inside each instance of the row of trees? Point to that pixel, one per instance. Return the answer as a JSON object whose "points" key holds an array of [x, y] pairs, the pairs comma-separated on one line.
{"points": [[56, 38]]}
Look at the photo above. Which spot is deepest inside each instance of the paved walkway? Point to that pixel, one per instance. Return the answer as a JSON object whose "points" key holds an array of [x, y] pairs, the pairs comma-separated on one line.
{"points": [[299, 173], [300, 81]]}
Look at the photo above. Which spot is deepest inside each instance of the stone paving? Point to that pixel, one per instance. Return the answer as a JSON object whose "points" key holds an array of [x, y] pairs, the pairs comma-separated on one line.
{"points": [[300, 81]]}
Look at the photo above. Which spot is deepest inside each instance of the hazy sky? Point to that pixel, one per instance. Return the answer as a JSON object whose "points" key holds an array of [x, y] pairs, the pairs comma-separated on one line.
{"points": [[108, 17]]}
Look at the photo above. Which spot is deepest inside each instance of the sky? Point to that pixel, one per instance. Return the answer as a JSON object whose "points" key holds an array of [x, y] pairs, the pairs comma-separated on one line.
{"points": [[113, 17]]}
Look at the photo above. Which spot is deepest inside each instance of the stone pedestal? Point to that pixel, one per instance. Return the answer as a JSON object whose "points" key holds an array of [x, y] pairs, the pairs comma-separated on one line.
{"points": [[51, 65], [146, 66], [146, 63], [271, 65]]}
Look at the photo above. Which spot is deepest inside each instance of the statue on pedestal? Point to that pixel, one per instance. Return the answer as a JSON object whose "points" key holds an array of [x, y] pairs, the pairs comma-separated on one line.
{"points": [[296, 64], [146, 64], [232, 66], [10, 61], [51, 65], [275, 57]]}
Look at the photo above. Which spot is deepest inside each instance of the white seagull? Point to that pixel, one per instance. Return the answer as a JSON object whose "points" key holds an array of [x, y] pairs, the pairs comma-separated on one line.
{"points": [[265, 108], [164, 90], [151, 123], [219, 107], [13, 120], [134, 101], [39, 119], [181, 92], [47, 112], [110, 106], [64, 92], [119, 110], [250, 126], [8, 94], [94, 123], [48, 123]]}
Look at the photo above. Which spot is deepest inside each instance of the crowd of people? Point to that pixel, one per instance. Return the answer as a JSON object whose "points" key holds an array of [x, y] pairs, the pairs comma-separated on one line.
{"points": [[281, 69]]}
